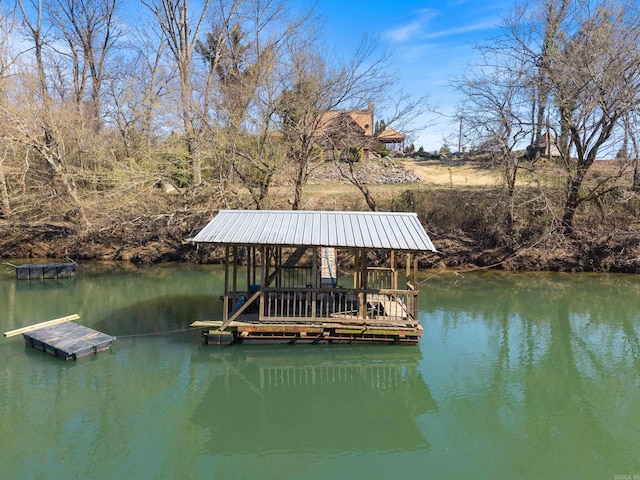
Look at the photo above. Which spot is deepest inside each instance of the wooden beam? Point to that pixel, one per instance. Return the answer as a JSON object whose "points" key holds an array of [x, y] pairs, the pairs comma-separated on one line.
{"points": [[36, 326], [242, 308]]}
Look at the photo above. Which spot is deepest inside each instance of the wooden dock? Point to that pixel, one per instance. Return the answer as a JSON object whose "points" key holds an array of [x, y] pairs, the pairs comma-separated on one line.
{"points": [[39, 271], [309, 333], [63, 338]]}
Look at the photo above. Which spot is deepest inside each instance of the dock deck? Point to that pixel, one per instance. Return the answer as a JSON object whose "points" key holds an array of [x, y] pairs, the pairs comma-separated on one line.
{"points": [[68, 341], [247, 329]]}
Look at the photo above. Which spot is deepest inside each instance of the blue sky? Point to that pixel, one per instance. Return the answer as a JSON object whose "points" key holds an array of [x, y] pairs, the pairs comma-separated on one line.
{"points": [[432, 43]]}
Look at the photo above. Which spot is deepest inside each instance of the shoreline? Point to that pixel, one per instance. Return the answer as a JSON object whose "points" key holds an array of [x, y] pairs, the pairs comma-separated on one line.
{"points": [[584, 253]]}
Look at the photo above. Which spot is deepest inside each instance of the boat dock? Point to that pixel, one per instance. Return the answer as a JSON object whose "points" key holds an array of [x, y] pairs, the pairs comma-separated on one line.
{"points": [[282, 284]]}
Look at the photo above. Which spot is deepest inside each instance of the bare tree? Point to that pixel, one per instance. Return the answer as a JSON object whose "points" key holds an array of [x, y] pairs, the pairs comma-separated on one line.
{"points": [[576, 64], [35, 121], [554, 14], [181, 33], [88, 30], [7, 24], [136, 91], [318, 87], [495, 112], [631, 133], [594, 75], [243, 54]]}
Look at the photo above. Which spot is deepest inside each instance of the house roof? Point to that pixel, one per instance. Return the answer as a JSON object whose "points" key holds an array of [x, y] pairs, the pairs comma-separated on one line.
{"points": [[362, 118], [376, 230], [391, 135]]}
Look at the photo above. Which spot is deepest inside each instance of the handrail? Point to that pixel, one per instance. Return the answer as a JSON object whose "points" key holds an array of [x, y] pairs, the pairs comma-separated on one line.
{"points": [[311, 303], [384, 291]]}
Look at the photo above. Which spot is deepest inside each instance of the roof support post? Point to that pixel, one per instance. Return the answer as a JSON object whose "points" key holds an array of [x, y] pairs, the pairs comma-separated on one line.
{"points": [[415, 286], [248, 272], [266, 263], [234, 285], [314, 274], [356, 269], [362, 310], [394, 272], [254, 265], [263, 278], [408, 266], [225, 311]]}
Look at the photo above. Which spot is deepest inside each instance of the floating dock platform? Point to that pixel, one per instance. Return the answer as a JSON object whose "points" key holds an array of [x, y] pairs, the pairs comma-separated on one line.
{"points": [[63, 338], [68, 341], [39, 271]]}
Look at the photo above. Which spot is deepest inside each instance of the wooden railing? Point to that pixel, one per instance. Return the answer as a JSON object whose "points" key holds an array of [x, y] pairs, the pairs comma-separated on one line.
{"points": [[338, 304]]}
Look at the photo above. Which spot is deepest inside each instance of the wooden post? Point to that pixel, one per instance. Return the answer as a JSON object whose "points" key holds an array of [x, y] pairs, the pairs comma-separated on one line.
{"points": [[314, 274], [254, 265], [415, 286], [234, 280], [276, 252], [225, 312], [394, 273], [408, 265], [36, 326], [248, 273], [356, 269], [364, 284], [263, 279]]}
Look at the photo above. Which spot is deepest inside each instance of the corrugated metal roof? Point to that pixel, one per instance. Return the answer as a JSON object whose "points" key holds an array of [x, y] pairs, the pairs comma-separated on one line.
{"points": [[384, 230]]}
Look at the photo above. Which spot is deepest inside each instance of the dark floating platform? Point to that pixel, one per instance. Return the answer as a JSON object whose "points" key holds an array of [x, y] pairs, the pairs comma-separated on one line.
{"points": [[68, 341], [31, 271]]}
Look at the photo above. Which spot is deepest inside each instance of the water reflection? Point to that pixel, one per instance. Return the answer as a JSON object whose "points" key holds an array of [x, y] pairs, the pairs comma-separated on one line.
{"points": [[540, 368], [317, 399], [45, 284]]}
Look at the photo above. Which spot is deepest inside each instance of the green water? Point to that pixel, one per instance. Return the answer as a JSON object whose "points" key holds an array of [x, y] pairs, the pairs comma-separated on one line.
{"points": [[532, 376]]}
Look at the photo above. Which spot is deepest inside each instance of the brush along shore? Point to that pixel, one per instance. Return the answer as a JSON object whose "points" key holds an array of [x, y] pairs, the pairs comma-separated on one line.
{"points": [[461, 203]]}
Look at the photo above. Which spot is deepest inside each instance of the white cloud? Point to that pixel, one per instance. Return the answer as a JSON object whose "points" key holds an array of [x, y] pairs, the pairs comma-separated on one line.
{"points": [[415, 27], [474, 27], [422, 28]]}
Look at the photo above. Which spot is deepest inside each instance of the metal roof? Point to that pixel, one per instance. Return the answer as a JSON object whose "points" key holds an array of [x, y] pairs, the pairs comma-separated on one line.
{"points": [[383, 230]]}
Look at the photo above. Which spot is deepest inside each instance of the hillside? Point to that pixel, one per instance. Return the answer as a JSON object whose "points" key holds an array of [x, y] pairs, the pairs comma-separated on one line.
{"points": [[459, 202]]}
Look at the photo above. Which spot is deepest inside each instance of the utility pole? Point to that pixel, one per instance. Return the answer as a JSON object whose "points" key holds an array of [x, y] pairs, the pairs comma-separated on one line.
{"points": [[460, 134]]}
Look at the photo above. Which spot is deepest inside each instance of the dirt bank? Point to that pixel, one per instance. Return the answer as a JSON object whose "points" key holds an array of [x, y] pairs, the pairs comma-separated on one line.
{"points": [[161, 243]]}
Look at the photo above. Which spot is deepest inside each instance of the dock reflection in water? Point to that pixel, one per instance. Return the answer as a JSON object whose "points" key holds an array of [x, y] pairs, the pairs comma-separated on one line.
{"points": [[265, 400]]}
